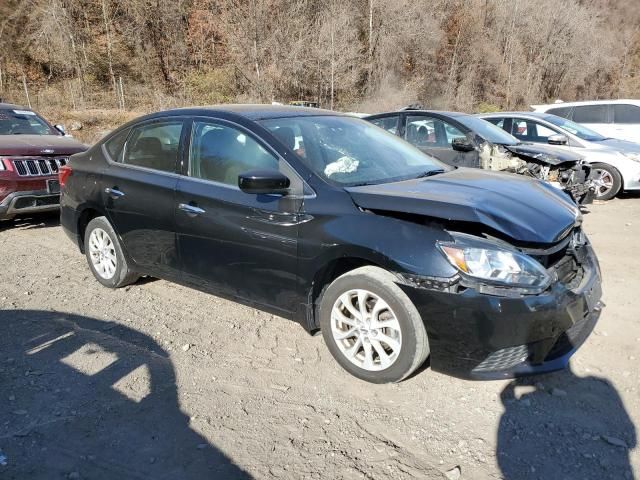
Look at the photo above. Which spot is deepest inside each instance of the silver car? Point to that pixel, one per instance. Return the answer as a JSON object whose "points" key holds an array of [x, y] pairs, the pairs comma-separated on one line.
{"points": [[616, 163]]}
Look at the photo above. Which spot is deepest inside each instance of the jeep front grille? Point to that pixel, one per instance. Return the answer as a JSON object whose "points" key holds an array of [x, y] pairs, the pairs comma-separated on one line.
{"points": [[35, 167]]}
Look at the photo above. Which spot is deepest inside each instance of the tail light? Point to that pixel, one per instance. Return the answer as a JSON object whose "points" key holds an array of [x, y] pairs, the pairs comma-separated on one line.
{"points": [[64, 173]]}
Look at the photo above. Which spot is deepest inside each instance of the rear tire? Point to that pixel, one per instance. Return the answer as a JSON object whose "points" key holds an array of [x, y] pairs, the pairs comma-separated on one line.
{"points": [[608, 181], [386, 344], [104, 255]]}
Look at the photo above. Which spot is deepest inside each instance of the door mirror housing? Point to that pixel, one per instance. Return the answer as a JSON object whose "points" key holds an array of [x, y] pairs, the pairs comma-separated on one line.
{"points": [[462, 144], [557, 139], [264, 182], [60, 128]]}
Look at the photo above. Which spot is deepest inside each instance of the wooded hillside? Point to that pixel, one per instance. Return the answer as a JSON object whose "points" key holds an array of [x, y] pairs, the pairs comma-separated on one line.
{"points": [[364, 55]]}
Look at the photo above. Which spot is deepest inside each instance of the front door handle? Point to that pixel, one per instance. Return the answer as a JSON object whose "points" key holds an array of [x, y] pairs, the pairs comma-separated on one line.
{"points": [[113, 193], [191, 210]]}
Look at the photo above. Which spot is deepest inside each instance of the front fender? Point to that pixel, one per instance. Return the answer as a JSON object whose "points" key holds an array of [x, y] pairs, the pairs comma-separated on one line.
{"points": [[394, 244]]}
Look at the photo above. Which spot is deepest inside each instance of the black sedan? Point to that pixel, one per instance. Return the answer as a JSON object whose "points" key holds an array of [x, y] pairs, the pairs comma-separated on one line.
{"points": [[463, 140], [332, 222]]}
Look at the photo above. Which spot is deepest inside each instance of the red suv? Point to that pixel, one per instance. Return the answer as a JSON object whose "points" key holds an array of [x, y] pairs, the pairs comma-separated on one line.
{"points": [[31, 152]]}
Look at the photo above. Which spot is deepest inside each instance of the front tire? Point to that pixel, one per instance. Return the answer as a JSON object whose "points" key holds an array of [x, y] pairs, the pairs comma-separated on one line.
{"points": [[104, 255], [371, 327], [608, 180]]}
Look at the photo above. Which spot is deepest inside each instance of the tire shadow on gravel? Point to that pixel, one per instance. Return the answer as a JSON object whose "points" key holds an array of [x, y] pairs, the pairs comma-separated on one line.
{"points": [[561, 426], [84, 398]]}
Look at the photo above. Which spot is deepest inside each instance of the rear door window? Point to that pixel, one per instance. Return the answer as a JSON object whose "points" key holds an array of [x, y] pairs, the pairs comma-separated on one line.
{"points": [[625, 113], [154, 145], [498, 122], [590, 114], [390, 124], [423, 131]]}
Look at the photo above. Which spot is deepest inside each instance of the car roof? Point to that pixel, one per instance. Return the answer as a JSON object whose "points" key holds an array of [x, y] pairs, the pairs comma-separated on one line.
{"points": [[253, 111], [542, 115], [586, 102], [419, 111]]}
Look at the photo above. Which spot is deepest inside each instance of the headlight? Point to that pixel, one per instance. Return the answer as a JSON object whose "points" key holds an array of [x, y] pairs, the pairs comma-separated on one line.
{"points": [[493, 264], [632, 156], [2, 165]]}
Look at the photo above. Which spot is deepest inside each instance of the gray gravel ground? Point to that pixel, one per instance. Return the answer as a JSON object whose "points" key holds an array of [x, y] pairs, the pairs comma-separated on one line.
{"points": [[159, 381]]}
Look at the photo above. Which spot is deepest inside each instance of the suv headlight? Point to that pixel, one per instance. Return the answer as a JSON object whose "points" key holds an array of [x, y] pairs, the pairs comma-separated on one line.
{"points": [[493, 264], [635, 156], [2, 165]]}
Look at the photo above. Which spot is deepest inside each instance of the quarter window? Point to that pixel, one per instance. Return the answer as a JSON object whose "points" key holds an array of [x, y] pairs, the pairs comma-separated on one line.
{"points": [[590, 114], [220, 153], [624, 113], [154, 146], [115, 145]]}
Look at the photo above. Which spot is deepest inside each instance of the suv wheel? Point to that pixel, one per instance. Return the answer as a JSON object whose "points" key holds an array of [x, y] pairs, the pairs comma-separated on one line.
{"points": [[104, 255], [371, 327], [607, 180]]}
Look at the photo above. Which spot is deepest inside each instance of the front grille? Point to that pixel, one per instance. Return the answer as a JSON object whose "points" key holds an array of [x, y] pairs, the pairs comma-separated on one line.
{"points": [[503, 359], [39, 166], [566, 259]]}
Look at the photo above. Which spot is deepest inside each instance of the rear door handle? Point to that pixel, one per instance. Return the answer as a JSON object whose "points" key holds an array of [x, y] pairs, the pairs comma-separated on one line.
{"points": [[113, 192], [191, 210]]}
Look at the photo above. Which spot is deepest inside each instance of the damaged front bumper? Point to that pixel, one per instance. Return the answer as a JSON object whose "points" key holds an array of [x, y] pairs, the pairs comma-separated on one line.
{"points": [[481, 336], [564, 170]]}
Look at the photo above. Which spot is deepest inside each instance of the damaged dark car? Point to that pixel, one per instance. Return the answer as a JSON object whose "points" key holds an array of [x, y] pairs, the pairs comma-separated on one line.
{"points": [[395, 257], [462, 140]]}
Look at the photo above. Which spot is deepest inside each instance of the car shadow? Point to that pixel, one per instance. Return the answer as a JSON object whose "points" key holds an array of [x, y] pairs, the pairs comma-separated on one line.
{"points": [[28, 222], [629, 194], [562, 426], [84, 398]]}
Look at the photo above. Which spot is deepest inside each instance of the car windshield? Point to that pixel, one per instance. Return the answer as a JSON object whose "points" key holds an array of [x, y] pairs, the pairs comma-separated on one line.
{"points": [[347, 151], [23, 122], [487, 130], [575, 128]]}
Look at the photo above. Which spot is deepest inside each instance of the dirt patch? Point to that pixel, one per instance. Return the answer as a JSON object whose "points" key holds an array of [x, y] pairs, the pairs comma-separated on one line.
{"points": [[157, 379]]}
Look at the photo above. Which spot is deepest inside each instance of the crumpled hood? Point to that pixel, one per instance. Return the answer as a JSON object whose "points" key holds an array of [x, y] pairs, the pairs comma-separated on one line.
{"points": [[34, 145], [524, 209], [543, 153]]}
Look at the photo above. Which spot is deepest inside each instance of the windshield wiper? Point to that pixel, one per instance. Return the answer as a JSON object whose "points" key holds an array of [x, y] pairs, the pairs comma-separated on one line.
{"points": [[430, 173]]}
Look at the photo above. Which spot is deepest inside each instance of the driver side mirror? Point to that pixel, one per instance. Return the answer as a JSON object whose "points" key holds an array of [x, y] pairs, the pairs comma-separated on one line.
{"points": [[557, 139], [264, 182], [60, 128], [462, 144]]}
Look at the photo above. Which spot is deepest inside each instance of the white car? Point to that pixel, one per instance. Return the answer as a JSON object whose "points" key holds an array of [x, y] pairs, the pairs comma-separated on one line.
{"points": [[611, 118], [615, 163]]}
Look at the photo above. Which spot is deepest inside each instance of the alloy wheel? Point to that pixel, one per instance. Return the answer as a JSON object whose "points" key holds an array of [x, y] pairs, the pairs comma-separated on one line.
{"points": [[103, 253], [366, 330], [603, 182]]}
